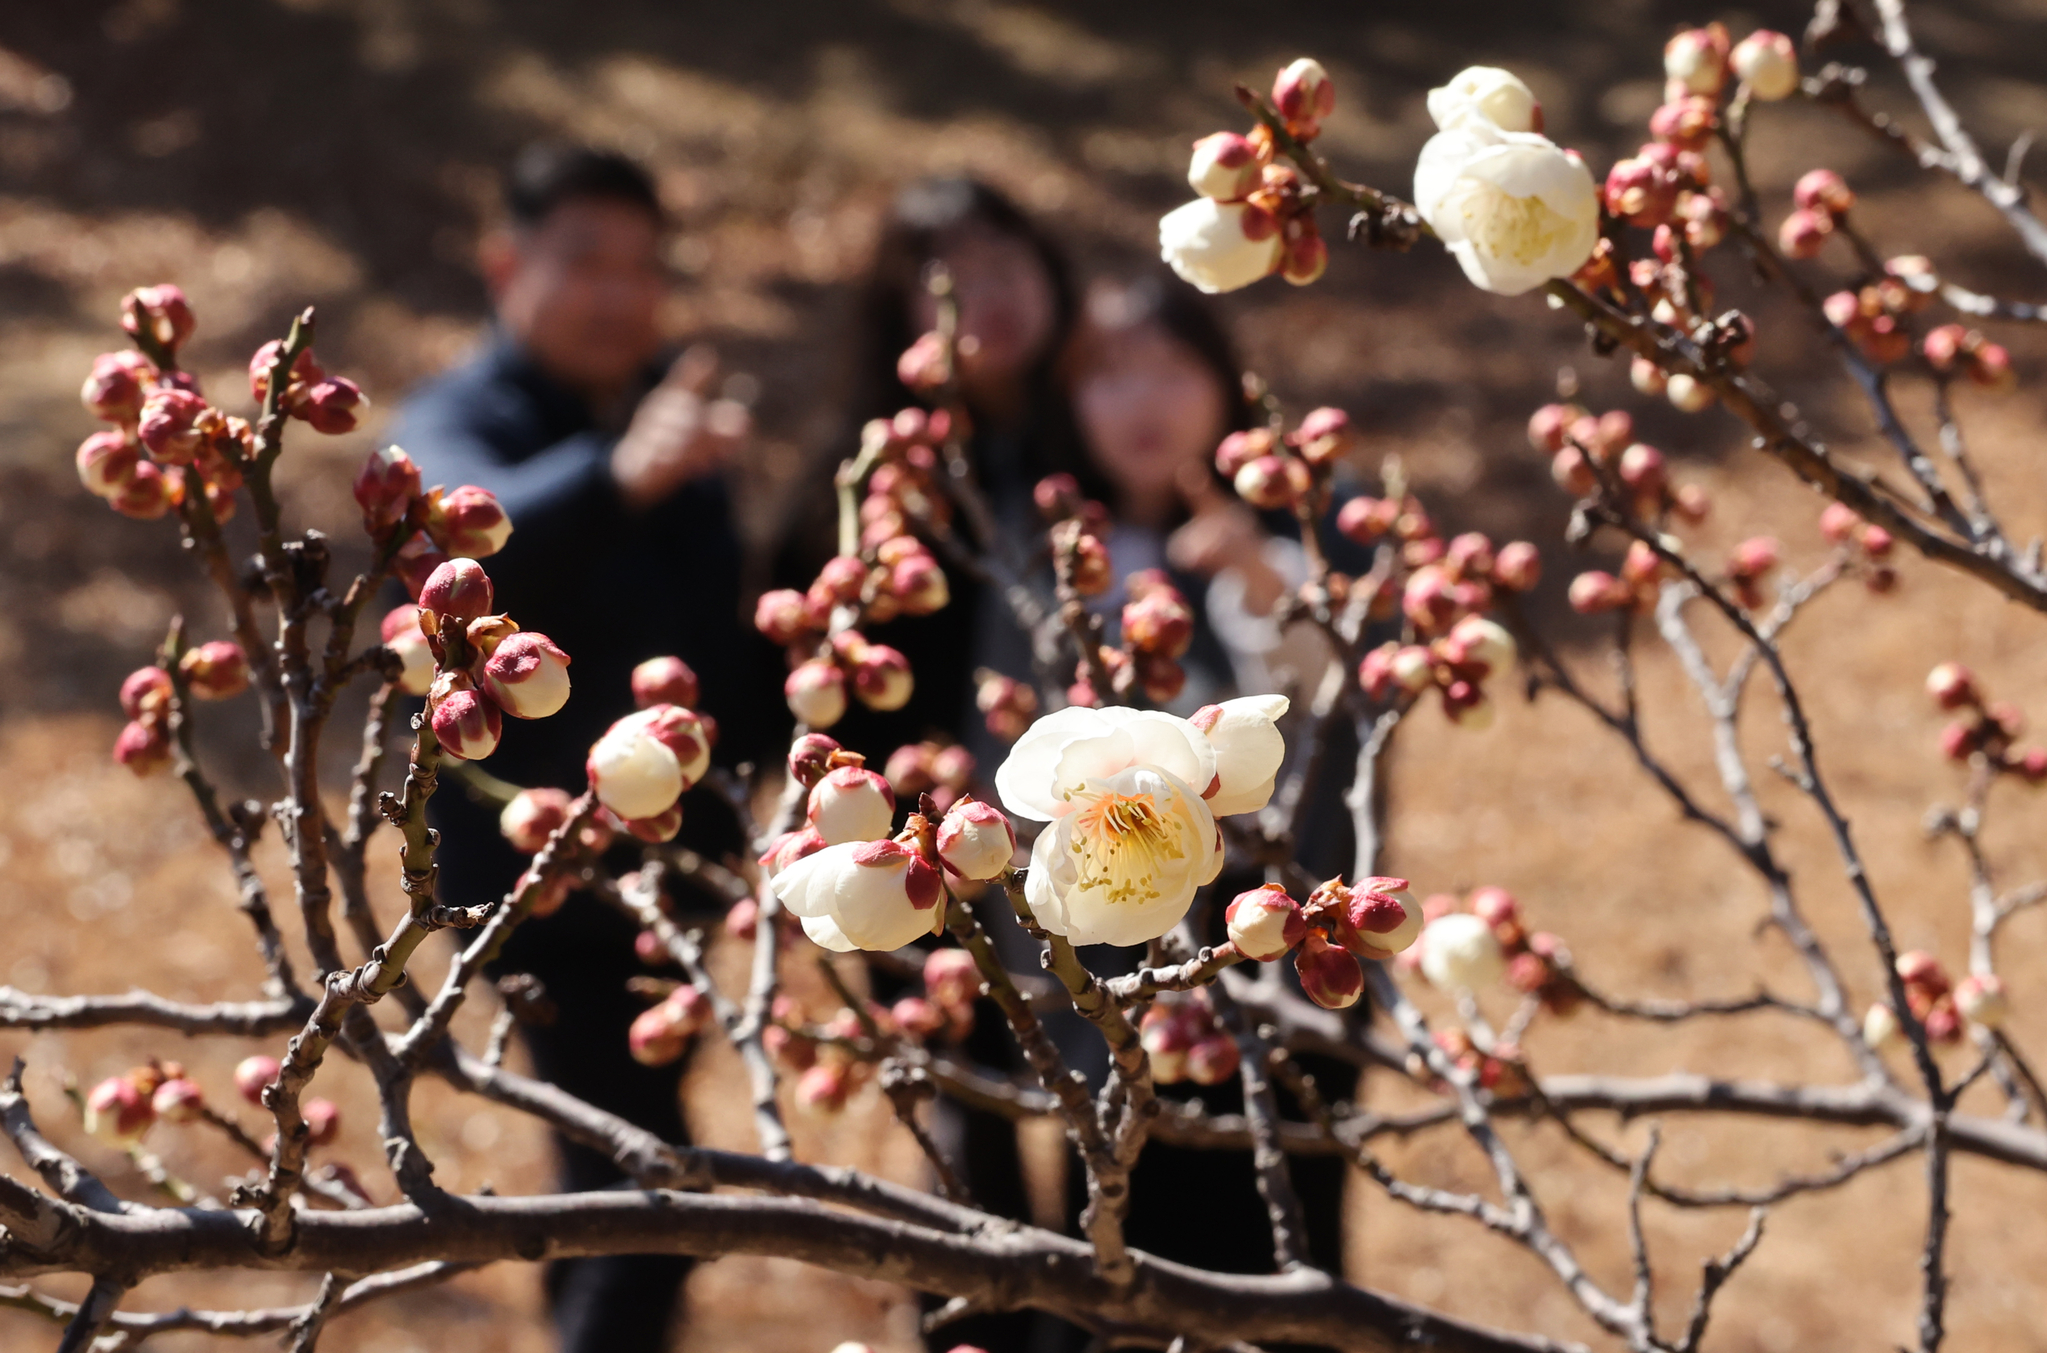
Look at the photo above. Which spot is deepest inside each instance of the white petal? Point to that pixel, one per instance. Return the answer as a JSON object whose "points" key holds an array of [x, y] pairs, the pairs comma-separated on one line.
{"points": [[1171, 744], [1248, 752], [1027, 779], [1044, 884], [806, 886], [825, 934], [1440, 167], [1092, 758]]}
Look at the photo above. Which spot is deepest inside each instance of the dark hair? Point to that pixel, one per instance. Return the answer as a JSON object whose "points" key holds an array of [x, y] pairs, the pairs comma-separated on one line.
{"points": [[548, 174], [919, 220]]}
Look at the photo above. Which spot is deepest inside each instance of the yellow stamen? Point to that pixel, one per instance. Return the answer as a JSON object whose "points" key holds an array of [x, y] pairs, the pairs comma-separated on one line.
{"points": [[1123, 843]]}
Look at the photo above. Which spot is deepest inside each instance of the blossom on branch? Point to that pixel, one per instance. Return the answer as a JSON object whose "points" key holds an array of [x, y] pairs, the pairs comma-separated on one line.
{"points": [[874, 895], [1488, 94], [1514, 208]]}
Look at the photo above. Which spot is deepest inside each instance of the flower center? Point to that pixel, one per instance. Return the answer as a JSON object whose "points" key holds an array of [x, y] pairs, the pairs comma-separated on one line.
{"points": [[1123, 843], [1523, 229]]}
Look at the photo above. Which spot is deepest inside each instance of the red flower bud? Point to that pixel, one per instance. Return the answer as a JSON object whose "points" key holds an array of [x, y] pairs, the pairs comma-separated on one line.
{"points": [[142, 747], [926, 364], [784, 616], [1272, 482], [469, 523], [1212, 1060], [117, 1112], [1822, 190], [1518, 566], [304, 372], [416, 561], [466, 721], [1303, 94], [323, 1120], [1265, 923], [332, 406], [664, 681], [882, 678], [252, 1074], [1950, 684], [1241, 448], [1329, 975], [161, 312], [458, 588], [106, 463], [116, 387], [177, 1100], [532, 816], [146, 693], [920, 584], [217, 670], [385, 488], [172, 424]]}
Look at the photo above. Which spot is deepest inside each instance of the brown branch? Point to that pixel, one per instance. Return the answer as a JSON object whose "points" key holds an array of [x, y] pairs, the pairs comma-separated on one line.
{"points": [[241, 1019]]}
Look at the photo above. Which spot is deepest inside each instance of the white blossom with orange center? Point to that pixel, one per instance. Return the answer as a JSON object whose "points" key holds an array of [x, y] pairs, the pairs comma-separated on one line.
{"points": [[1126, 796]]}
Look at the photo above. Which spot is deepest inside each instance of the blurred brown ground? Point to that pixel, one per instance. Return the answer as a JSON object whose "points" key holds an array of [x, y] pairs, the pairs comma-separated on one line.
{"points": [[264, 155]]}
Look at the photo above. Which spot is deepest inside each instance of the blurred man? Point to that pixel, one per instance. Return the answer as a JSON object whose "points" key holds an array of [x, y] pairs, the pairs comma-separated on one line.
{"points": [[607, 455]]}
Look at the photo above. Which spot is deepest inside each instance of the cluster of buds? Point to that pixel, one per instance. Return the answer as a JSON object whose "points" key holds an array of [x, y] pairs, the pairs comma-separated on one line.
{"points": [[1821, 200], [1500, 1069], [1748, 565], [1328, 934], [1157, 625], [662, 1032], [329, 404], [1875, 316], [167, 442], [830, 1059], [1952, 350], [121, 1109], [1184, 1043], [485, 666], [902, 491], [1864, 546], [1007, 705], [951, 985], [1587, 450], [1470, 944], [1273, 470], [212, 671], [1939, 1005], [1456, 665], [1632, 590], [943, 771], [1252, 218], [429, 525], [1985, 729]]}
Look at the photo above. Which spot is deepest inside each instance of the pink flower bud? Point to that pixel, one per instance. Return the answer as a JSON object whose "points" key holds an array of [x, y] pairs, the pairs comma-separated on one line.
{"points": [[1329, 975], [926, 364], [918, 1017], [1428, 599], [1494, 906], [146, 693], [402, 635], [146, 496], [1917, 968], [784, 616], [1265, 923], [217, 670], [106, 463], [1573, 473], [323, 1120], [532, 816], [1272, 482], [816, 692], [2032, 764], [1549, 425], [116, 387], [1057, 496], [1753, 558], [882, 679], [304, 372], [1303, 93], [161, 312], [527, 676], [920, 584], [1838, 523], [810, 757], [1594, 591], [1768, 64], [142, 747], [254, 1073], [664, 681], [1518, 566], [1822, 190], [466, 721], [851, 803], [1167, 1034], [975, 840], [1686, 122], [950, 978], [1305, 256], [841, 579], [1225, 166], [416, 561], [1212, 1060], [332, 406], [1007, 706], [657, 1037], [1241, 448], [117, 1112], [1688, 394], [1641, 192], [1091, 570], [469, 523], [177, 1100], [824, 1087], [458, 588], [1982, 998], [1159, 622], [172, 424], [1697, 59], [385, 488], [1991, 368], [953, 767], [1950, 684], [1943, 1025], [685, 733], [1641, 468]]}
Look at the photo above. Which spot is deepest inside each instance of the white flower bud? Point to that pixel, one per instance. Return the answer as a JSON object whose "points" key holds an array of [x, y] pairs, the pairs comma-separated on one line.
{"points": [[1982, 999], [1225, 166], [816, 692], [528, 675], [1219, 246], [975, 841], [1880, 1026], [1460, 953], [852, 804], [1487, 92], [1768, 64], [1264, 923], [634, 773]]}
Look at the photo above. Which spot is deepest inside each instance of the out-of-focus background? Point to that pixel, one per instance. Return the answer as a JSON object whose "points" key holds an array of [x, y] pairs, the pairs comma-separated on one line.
{"points": [[264, 154]]}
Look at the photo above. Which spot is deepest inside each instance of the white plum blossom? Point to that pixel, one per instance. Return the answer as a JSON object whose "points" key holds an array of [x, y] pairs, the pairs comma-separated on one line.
{"points": [[874, 895], [1489, 94], [851, 804], [1248, 751], [1219, 246], [1460, 953], [974, 840], [1130, 837], [1514, 208]]}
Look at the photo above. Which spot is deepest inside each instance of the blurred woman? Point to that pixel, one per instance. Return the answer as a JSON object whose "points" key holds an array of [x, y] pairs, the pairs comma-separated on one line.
{"points": [[1016, 309]]}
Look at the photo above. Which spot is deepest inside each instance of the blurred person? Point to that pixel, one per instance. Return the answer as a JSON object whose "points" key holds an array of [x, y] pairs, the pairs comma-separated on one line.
{"points": [[606, 450], [1016, 309]]}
